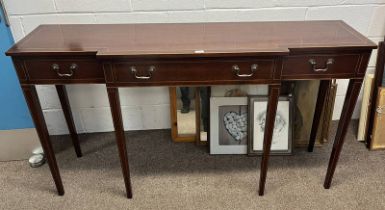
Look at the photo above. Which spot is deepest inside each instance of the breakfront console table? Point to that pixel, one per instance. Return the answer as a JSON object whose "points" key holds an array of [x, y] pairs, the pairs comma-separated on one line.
{"points": [[128, 55]]}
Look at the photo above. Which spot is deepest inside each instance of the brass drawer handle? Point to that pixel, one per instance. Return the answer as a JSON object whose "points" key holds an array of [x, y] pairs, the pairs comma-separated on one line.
{"points": [[150, 70], [313, 63], [253, 69], [72, 68]]}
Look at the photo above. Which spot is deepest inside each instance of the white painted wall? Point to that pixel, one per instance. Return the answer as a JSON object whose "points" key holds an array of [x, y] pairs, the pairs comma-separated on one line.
{"points": [[148, 108]]}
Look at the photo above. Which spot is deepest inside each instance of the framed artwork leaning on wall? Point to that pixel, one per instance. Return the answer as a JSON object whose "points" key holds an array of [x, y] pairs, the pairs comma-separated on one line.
{"points": [[283, 125], [228, 125]]}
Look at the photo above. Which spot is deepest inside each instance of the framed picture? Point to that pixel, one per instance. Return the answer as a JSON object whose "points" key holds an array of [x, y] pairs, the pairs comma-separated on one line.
{"points": [[283, 129], [228, 125]]}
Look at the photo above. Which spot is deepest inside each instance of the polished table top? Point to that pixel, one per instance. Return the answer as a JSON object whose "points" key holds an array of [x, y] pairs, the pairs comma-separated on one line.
{"points": [[190, 39], [154, 54]]}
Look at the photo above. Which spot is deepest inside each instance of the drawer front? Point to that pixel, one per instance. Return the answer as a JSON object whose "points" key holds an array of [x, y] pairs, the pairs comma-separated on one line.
{"points": [[200, 72], [64, 70], [320, 66]]}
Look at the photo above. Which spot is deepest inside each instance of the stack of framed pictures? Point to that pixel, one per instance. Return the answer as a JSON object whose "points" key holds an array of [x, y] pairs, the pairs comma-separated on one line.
{"points": [[237, 125]]}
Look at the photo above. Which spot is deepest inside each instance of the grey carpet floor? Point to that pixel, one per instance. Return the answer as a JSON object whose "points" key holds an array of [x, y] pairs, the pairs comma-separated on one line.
{"points": [[168, 175]]}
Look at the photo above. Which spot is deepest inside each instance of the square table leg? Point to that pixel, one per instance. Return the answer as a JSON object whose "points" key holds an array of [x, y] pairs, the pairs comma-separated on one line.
{"points": [[113, 96], [32, 99], [63, 96], [272, 104], [324, 88], [346, 115]]}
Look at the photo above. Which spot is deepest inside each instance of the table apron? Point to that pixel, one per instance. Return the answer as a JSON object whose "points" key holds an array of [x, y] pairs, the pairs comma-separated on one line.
{"points": [[198, 72]]}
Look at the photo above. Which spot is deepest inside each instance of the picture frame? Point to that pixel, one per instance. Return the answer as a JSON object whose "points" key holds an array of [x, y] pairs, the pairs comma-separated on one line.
{"points": [[175, 135], [228, 125], [379, 82], [202, 110], [282, 142]]}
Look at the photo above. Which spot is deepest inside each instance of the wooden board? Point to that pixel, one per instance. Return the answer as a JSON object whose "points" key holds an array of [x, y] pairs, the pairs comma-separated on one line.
{"points": [[305, 94], [365, 107], [378, 134]]}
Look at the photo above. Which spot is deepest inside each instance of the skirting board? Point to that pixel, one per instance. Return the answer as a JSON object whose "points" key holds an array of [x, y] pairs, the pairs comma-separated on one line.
{"points": [[18, 144]]}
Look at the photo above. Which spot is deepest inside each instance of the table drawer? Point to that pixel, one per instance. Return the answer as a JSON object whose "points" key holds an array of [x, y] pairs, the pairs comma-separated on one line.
{"points": [[319, 66], [190, 71], [64, 70]]}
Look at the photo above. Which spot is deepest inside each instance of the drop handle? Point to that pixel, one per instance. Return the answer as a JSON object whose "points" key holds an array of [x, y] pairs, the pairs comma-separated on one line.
{"points": [[236, 70], [328, 63], [72, 69], [150, 70]]}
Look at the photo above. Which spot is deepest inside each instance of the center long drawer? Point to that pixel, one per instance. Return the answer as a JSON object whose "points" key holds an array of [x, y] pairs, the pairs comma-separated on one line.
{"points": [[190, 72]]}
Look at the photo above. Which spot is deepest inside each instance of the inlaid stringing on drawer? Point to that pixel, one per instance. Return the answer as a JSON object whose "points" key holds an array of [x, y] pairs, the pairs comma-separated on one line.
{"points": [[320, 65], [64, 69], [147, 72]]}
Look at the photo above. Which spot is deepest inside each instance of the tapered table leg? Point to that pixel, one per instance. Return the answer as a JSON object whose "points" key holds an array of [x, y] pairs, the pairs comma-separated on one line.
{"points": [[322, 93], [269, 128], [347, 111], [62, 92], [113, 95], [32, 99]]}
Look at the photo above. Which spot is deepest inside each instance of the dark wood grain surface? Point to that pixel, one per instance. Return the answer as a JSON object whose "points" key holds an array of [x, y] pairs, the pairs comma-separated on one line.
{"points": [[190, 39], [67, 111], [174, 54]]}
